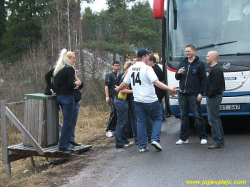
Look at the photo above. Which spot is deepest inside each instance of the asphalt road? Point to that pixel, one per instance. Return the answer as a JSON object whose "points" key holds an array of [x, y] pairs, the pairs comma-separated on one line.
{"points": [[175, 165]]}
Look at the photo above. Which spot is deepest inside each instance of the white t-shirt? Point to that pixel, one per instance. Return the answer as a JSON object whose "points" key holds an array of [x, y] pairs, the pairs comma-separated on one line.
{"points": [[141, 78]]}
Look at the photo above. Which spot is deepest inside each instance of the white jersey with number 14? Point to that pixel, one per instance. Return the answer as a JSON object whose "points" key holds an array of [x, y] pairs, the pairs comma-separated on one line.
{"points": [[141, 78]]}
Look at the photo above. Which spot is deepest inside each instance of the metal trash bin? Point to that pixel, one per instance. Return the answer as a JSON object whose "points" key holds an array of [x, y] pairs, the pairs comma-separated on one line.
{"points": [[41, 119]]}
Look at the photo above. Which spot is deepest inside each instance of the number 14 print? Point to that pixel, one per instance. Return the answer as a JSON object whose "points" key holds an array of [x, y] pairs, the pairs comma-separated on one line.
{"points": [[136, 78]]}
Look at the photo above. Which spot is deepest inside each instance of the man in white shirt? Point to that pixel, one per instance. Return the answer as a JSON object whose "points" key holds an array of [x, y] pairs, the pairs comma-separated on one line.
{"points": [[142, 79]]}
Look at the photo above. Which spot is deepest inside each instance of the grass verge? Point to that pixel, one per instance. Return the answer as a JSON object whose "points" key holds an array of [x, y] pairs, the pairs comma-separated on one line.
{"points": [[90, 130]]}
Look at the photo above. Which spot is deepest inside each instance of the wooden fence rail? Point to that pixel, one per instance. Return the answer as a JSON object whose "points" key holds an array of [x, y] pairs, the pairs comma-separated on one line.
{"points": [[5, 111], [20, 151]]}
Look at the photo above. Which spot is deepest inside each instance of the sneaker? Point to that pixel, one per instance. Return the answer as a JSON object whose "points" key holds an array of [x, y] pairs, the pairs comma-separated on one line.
{"points": [[136, 142], [179, 142], [109, 134], [156, 145], [168, 115], [214, 146], [143, 150], [203, 141], [128, 144]]}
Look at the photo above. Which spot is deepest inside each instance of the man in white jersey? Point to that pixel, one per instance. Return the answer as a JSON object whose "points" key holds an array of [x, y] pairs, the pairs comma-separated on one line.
{"points": [[142, 79]]}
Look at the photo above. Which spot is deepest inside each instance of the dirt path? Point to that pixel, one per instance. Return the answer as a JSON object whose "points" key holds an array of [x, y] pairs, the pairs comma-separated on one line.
{"points": [[100, 166]]}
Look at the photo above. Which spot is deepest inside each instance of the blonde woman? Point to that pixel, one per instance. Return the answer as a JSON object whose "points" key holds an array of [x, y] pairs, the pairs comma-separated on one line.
{"points": [[64, 85], [122, 109]]}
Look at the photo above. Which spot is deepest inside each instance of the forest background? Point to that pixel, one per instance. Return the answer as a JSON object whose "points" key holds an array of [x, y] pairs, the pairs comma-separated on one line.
{"points": [[33, 32]]}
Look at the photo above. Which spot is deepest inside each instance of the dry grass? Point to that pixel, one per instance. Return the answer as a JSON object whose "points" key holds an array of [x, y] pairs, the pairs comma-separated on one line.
{"points": [[90, 130]]}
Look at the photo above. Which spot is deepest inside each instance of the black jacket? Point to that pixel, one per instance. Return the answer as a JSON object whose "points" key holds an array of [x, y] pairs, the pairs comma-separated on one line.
{"points": [[110, 82], [215, 83], [193, 80], [50, 85], [159, 73]]}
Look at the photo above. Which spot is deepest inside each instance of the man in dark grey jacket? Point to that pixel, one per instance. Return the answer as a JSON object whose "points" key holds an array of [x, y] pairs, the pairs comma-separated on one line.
{"points": [[192, 78]]}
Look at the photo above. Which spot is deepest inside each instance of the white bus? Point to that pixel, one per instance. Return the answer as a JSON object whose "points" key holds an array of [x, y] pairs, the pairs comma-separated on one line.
{"points": [[221, 25]]}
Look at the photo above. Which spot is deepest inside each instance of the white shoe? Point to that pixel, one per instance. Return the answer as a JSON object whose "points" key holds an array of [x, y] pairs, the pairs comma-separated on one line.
{"points": [[179, 142], [143, 150], [109, 134], [203, 141], [156, 145], [129, 144]]}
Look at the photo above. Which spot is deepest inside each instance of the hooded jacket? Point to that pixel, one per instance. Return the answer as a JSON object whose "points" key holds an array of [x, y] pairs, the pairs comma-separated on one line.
{"points": [[193, 80]]}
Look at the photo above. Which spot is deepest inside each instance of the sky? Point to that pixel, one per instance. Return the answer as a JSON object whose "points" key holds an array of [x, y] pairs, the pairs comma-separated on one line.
{"points": [[101, 4]]}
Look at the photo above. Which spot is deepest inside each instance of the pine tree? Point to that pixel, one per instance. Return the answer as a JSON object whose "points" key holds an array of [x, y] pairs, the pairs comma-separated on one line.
{"points": [[120, 29], [23, 28], [2, 21]]}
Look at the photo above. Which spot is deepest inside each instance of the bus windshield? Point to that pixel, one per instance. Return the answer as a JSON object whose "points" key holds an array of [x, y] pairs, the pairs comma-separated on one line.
{"points": [[221, 25]]}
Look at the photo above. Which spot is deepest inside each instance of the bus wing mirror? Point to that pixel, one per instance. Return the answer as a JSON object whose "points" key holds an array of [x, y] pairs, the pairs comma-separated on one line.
{"points": [[158, 9]]}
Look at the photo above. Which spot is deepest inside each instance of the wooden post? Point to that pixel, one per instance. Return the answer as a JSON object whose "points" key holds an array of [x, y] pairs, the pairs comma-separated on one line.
{"points": [[32, 163], [5, 137]]}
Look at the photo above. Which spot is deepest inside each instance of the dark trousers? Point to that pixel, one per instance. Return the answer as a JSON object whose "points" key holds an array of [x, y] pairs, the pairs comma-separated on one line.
{"points": [[113, 116], [214, 119], [184, 102]]}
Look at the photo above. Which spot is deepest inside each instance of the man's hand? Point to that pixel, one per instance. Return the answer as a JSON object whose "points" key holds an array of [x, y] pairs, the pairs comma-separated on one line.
{"points": [[174, 90], [107, 100], [199, 98], [181, 70], [117, 88]]}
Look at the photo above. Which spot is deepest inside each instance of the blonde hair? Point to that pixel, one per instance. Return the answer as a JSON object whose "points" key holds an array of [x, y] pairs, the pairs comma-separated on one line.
{"points": [[64, 58], [126, 67]]}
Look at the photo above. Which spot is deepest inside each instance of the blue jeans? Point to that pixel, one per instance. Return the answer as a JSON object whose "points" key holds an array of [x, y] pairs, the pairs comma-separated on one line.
{"points": [[122, 119], [143, 111], [184, 102], [214, 119], [67, 103], [163, 111], [133, 115], [149, 127], [75, 116]]}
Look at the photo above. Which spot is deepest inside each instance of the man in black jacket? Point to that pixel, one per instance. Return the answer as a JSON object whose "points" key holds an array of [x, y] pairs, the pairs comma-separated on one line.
{"points": [[110, 96], [215, 85], [192, 78]]}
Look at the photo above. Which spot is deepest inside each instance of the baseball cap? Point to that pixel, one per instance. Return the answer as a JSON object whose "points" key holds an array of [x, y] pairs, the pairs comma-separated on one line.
{"points": [[142, 52]]}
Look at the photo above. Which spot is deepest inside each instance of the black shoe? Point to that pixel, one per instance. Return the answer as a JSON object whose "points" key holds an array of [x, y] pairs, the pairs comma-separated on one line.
{"points": [[67, 149], [214, 146], [136, 142], [75, 144]]}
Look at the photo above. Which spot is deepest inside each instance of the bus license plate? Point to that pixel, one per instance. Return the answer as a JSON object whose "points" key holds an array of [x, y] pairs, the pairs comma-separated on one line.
{"points": [[229, 107]]}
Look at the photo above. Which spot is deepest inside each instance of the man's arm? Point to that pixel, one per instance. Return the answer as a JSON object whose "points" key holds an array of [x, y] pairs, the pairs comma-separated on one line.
{"points": [[164, 86], [107, 94], [106, 88], [179, 71], [122, 86], [203, 77]]}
